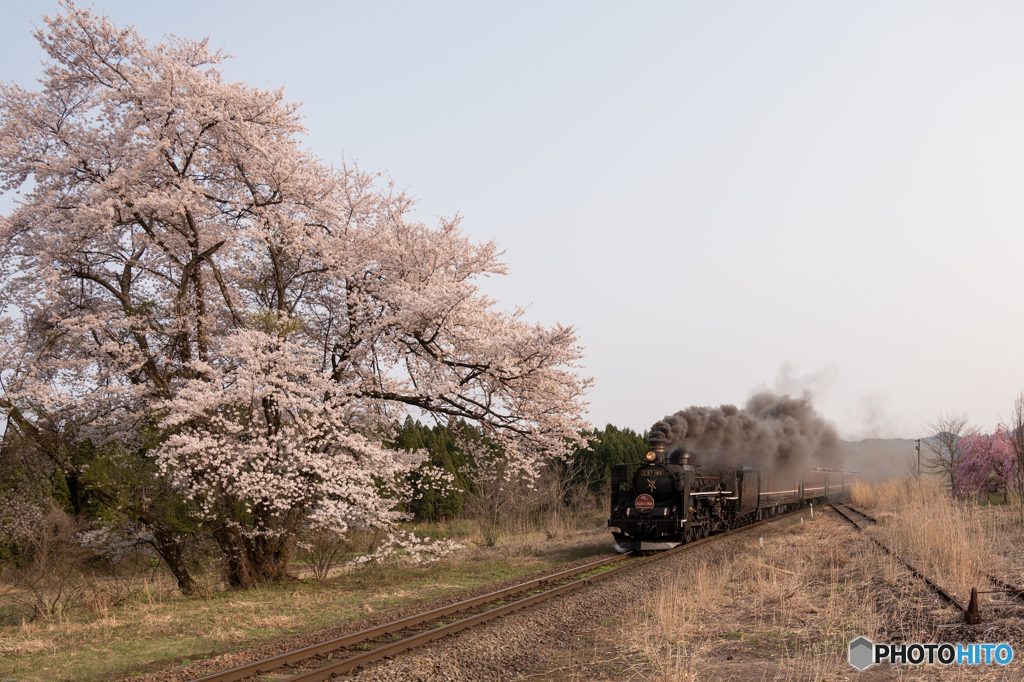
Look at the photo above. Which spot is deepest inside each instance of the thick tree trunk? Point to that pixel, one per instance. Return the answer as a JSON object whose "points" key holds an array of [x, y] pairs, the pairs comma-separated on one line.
{"points": [[248, 562], [239, 571], [261, 558], [281, 559], [170, 551]]}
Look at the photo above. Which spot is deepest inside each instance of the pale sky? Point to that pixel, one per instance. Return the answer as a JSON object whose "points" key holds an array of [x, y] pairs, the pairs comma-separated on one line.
{"points": [[719, 196]]}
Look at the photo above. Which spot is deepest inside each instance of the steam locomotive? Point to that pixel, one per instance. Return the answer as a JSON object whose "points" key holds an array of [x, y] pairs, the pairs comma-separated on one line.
{"points": [[674, 500]]}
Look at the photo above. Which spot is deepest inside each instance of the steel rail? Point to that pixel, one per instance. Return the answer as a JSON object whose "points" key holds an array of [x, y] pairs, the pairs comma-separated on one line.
{"points": [[273, 662], [867, 516], [392, 649], [1004, 587], [935, 587], [267, 664]]}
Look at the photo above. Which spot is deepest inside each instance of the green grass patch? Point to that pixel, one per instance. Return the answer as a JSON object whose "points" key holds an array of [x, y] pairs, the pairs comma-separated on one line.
{"points": [[159, 628]]}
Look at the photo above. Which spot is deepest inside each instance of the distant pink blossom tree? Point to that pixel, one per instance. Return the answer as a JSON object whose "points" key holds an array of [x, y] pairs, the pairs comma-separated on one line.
{"points": [[987, 465], [178, 264]]}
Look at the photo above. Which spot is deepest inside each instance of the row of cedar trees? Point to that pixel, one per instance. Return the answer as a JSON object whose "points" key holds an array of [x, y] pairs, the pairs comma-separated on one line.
{"points": [[607, 446]]}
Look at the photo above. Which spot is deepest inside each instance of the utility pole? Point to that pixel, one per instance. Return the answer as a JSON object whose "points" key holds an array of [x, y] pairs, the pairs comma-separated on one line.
{"points": [[919, 459]]}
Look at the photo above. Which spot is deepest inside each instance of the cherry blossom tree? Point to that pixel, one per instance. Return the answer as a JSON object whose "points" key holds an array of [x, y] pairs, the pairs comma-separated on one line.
{"points": [[987, 464], [181, 277]]}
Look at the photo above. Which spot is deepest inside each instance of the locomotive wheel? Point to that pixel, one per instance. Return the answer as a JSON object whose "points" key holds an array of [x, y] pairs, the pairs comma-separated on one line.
{"points": [[705, 530]]}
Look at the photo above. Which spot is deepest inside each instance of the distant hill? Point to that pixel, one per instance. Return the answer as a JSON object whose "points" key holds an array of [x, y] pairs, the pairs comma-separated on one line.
{"points": [[880, 458]]}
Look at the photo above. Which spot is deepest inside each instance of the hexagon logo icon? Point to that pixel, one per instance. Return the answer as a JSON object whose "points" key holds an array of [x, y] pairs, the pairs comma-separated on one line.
{"points": [[860, 653]]}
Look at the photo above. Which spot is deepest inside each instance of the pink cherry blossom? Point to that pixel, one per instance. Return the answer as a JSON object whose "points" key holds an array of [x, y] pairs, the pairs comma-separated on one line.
{"points": [[987, 465], [177, 257]]}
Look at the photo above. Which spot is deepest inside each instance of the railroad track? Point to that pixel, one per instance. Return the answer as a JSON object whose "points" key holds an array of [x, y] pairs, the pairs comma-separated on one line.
{"points": [[860, 513], [1011, 591], [848, 512], [378, 640]]}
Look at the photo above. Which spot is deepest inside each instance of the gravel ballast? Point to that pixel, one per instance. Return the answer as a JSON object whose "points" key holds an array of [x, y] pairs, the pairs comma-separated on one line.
{"points": [[504, 649], [262, 651]]}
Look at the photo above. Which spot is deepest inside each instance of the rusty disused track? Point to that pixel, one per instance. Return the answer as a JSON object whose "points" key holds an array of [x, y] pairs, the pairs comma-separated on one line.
{"points": [[934, 586], [392, 649], [1012, 591], [867, 516]]}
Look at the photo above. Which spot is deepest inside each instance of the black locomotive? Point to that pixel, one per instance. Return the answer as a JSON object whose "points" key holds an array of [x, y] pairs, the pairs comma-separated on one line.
{"points": [[674, 500]]}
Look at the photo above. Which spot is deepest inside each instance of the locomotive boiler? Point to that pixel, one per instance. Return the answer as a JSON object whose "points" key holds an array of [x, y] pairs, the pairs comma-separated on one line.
{"points": [[673, 499]]}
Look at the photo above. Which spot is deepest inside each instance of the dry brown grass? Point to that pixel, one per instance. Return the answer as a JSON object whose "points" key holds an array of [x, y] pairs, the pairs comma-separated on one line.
{"points": [[951, 541], [788, 611], [154, 626], [796, 603]]}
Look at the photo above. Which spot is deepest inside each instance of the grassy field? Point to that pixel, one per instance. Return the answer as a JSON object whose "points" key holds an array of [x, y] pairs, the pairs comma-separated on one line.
{"points": [[158, 627], [784, 611], [954, 542]]}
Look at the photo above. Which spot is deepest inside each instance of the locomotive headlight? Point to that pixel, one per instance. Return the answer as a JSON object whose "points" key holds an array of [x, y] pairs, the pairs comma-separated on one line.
{"points": [[651, 456]]}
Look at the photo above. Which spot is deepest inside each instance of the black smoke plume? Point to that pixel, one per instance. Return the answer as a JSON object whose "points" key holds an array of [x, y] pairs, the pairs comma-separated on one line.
{"points": [[777, 432]]}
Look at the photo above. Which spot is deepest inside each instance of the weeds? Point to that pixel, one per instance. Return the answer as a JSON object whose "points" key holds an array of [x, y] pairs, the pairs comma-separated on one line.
{"points": [[799, 600], [949, 540], [44, 582], [326, 550], [789, 610], [100, 638]]}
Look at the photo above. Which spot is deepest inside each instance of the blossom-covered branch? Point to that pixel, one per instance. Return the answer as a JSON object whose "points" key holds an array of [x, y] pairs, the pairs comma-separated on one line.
{"points": [[182, 278]]}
